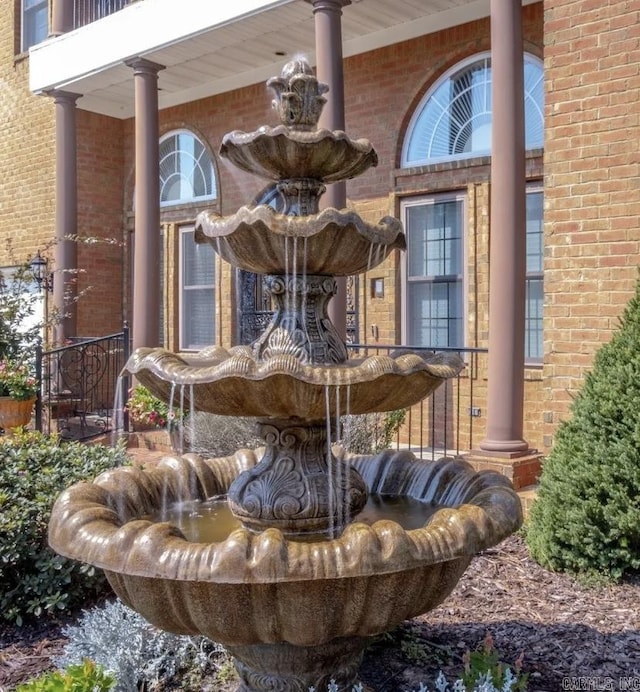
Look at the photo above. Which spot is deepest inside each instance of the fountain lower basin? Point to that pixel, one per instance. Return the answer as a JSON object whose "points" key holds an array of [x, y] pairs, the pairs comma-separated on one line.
{"points": [[288, 610]]}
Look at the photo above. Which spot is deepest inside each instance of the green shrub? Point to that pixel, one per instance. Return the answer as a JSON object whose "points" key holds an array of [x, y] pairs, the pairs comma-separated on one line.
{"points": [[34, 470], [587, 515], [82, 677]]}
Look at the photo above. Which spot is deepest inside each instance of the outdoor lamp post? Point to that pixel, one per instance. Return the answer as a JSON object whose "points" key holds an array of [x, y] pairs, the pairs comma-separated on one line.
{"points": [[41, 276]]}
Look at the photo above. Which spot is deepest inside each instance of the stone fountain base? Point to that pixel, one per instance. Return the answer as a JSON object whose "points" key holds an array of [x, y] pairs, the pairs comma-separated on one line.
{"points": [[288, 668]]}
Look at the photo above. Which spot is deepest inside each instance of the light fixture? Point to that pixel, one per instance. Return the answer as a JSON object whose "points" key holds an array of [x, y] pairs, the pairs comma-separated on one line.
{"points": [[42, 277]]}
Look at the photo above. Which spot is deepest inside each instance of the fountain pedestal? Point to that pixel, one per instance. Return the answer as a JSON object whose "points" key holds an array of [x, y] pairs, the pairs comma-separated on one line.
{"points": [[299, 486], [300, 326], [283, 666]]}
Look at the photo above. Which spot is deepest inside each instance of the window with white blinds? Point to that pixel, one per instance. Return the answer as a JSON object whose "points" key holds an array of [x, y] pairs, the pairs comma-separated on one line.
{"points": [[197, 292]]}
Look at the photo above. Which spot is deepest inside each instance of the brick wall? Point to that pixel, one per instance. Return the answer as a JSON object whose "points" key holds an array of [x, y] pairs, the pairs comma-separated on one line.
{"points": [[382, 89], [592, 196], [27, 186], [101, 256], [26, 151]]}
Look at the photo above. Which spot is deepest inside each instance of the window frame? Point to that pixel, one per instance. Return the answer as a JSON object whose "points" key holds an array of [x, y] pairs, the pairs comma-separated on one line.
{"points": [[530, 276], [419, 111], [39, 6], [213, 195], [459, 196], [183, 230]]}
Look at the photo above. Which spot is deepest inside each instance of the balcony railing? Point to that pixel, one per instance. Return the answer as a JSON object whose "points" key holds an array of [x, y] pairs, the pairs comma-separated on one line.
{"points": [[87, 11], [448, 422]]}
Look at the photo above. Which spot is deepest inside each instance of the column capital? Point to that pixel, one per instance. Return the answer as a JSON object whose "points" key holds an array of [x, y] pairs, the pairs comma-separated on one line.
{"points": [[328, 5], [63, 97], [144, 66]]}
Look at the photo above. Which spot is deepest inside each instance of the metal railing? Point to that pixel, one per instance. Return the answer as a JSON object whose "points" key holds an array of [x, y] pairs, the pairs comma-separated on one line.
{"points": [[88, 11], [447, 422], [78, 385]]}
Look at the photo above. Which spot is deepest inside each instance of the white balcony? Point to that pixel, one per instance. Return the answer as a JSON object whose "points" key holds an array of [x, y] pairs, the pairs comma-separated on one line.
{"points": [[209, 47]]}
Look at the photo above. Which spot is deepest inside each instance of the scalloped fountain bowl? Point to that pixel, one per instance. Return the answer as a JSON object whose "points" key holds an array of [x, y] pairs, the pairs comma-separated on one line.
{"points": [[332, 242], [232, 382], [293, 613]]}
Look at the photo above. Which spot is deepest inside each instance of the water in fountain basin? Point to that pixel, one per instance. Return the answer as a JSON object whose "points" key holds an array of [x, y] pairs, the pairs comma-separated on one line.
{"points": [[211, 521]]}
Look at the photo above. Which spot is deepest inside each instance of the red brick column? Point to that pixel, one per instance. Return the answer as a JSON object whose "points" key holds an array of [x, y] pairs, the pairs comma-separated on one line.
{"points": [[146, 270], [328, 25], [507, 258], [65, 284]]}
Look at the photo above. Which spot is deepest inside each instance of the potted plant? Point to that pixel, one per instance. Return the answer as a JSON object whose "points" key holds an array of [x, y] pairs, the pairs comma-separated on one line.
{"points": [[150, 415], [146, 411], [18, 389]]}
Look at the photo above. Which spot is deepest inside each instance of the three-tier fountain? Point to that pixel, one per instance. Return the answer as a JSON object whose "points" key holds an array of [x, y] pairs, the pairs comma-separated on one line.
{"points": [[312, 550]]}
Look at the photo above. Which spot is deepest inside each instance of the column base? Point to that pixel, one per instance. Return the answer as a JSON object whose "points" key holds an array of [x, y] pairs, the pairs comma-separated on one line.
{"points": [[521, 468]]}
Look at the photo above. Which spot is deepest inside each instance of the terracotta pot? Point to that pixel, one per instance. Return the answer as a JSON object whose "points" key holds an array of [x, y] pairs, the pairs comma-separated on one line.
{"points": [[15, 412]]}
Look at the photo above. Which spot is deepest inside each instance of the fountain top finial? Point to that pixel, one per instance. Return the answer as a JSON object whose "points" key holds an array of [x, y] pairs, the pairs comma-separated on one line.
{"points": [[298, 95]]}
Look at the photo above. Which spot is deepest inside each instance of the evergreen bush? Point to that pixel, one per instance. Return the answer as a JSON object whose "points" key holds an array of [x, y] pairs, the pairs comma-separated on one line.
{"points": [[586, 518], [35, 468]]}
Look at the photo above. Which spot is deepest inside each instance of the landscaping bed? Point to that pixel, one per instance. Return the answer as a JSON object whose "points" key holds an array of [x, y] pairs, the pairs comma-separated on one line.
{"points": [[564, 630]]}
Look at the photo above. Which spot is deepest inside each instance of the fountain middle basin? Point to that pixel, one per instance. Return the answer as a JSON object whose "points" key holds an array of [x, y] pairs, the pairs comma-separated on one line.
{"points": [[265, 588]]}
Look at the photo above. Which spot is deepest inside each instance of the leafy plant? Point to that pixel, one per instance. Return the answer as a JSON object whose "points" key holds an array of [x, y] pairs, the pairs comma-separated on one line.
{"points": [[135, 652], [485, 660], [483, 683], [17, 380], [82, 677], [34, 581], [585, 519]]}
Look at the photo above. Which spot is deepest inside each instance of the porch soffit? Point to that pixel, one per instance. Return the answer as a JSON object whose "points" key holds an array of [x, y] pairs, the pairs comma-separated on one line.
{"points": [[209, 47]]}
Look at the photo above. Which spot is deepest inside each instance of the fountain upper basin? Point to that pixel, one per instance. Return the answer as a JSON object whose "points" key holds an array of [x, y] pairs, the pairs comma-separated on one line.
{"points": [[299, 591], [282, 153], [234, 383]]}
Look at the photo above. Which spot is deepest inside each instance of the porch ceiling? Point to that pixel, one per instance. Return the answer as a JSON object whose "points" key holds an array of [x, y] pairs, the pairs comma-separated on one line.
{"points": [[207, 49]]}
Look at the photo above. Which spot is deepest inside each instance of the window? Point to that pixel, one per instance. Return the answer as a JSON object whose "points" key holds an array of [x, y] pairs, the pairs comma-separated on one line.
{"points": [[534, 290], [187, 172], [35, 23], [434, 305], [197, 292], [453, 120]]}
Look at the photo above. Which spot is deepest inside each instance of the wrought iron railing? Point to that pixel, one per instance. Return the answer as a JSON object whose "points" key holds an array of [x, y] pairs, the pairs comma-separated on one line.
{"points": [[78, 386], [87, 11], [450, 421]]}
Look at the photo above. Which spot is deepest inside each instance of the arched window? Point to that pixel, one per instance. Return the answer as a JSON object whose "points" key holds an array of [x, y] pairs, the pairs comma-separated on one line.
{"points": [[453, 120], [187, 172]]}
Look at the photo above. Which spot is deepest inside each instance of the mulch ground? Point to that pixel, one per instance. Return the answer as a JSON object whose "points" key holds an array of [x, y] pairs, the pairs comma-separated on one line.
{"points": [[572, 637]]}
